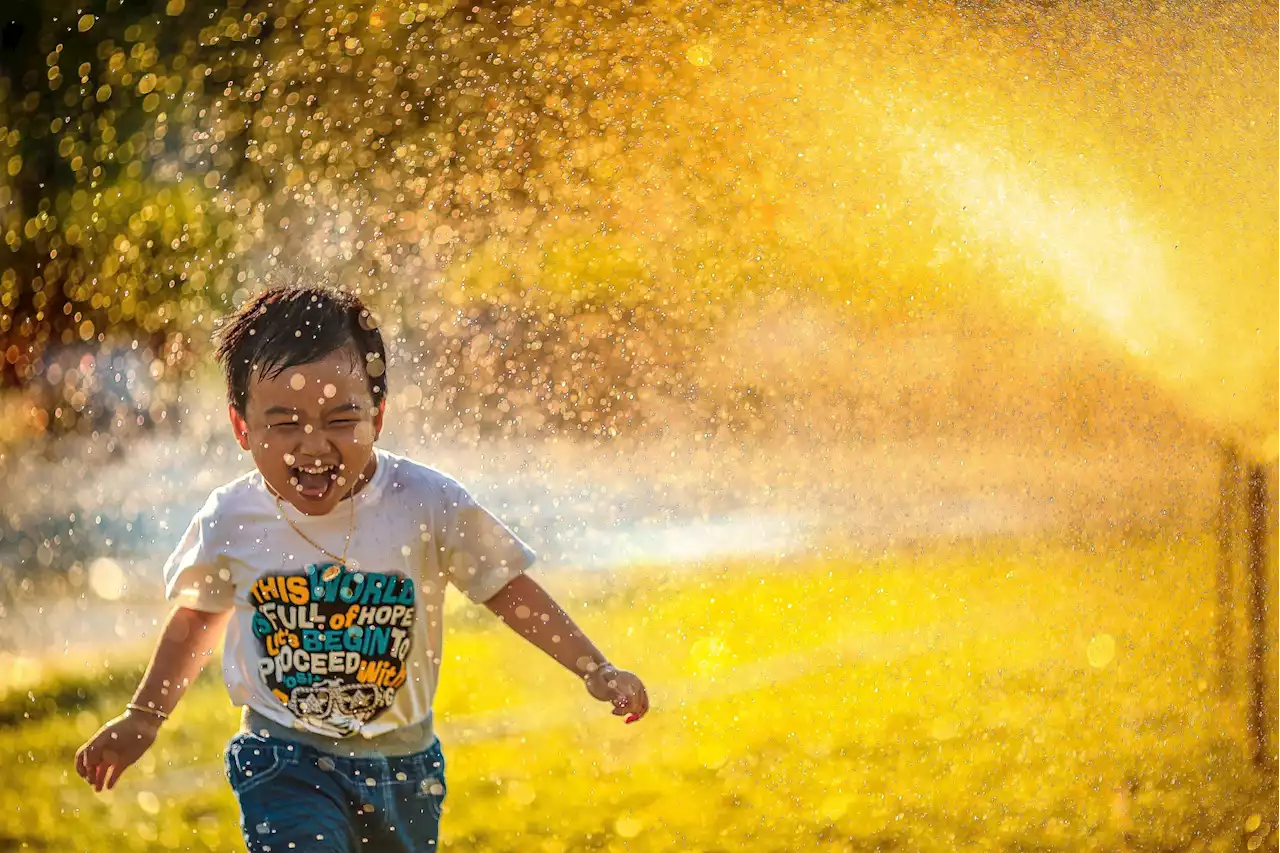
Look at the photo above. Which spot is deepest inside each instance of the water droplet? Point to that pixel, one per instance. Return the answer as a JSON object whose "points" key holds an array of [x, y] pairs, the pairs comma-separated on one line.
{"points": [[106, 579], [699, 55], [1101, 650], [628, 826], [149, 802]]}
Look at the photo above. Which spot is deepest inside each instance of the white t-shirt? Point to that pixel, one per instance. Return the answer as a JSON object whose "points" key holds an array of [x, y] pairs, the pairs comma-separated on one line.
{"points": [[339, 653]]}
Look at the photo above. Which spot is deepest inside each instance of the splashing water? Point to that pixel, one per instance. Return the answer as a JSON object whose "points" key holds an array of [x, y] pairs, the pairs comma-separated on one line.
{"points": [[596, 217], [1101, 164]]}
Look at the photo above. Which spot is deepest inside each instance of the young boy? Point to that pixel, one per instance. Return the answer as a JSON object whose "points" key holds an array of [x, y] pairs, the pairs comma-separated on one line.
{"points": [[325, 568]]}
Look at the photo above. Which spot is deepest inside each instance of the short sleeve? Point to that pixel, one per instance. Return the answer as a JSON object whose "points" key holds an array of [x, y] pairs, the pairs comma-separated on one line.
{"points": [[196, 576], [480, 553]]}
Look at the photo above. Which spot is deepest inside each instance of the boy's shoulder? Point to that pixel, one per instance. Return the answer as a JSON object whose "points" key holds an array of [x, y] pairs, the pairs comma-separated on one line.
{"points": [[245, 492], [413, 479]]}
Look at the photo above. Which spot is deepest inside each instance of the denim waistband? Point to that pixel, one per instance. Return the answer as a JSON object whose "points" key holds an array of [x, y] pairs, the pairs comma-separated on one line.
{"points": [[406, 740]]}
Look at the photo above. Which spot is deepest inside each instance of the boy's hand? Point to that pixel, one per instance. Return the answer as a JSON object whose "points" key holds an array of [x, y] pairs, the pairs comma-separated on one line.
{"points": [[115, 747], [622, 688]]}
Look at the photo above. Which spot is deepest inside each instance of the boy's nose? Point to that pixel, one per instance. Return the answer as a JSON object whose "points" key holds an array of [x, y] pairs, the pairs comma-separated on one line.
{"points": [[315, 444]]}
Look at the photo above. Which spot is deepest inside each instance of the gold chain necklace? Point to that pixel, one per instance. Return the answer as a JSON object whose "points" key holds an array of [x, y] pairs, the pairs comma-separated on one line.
{"points": [[333, 571]]}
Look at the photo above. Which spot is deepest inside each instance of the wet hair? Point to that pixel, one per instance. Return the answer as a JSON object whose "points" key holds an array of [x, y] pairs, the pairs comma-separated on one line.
{"points": [[294, 324]]}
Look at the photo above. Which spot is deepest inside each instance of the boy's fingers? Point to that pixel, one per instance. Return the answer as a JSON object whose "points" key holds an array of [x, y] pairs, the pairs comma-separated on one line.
{"points": [[105, 767], [642, 701], [115, 771], [633, 703]]}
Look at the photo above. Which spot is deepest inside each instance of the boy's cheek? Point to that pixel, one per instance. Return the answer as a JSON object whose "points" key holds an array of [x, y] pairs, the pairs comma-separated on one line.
{"points": [[364, 433]]}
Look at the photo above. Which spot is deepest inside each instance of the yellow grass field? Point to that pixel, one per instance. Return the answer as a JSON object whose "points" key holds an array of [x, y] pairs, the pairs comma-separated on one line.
{"points": [[1000, 696]]}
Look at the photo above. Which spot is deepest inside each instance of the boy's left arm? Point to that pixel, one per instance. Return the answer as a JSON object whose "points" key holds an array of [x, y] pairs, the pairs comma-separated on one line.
{"points": [[533, 614]]}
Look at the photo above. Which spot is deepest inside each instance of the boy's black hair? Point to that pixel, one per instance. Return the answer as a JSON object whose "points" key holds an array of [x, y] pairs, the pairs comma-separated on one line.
{"points": [[294, 324]]}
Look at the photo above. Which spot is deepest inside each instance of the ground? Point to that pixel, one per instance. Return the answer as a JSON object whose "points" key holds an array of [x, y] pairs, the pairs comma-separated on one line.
{"points": [[1011, 696]]}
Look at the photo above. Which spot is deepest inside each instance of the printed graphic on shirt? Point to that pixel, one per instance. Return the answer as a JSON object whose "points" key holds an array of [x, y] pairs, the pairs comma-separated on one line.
{"points": [[333, 643]]}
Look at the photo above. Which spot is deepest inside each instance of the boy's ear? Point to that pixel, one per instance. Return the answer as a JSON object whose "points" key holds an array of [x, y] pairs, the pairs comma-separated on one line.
{"points": [[239, 427], [377, 419]]}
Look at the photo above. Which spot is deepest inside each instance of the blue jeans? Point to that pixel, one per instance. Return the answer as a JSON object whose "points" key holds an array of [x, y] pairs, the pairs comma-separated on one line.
{"points": [[293, 797]]}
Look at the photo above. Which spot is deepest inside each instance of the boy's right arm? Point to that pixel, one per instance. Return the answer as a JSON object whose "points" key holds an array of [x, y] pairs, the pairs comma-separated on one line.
{"points": [[189, 637]]}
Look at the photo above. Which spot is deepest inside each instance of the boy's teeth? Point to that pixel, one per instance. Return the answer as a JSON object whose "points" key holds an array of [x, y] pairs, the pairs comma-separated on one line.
{"points": [[312, 482]]}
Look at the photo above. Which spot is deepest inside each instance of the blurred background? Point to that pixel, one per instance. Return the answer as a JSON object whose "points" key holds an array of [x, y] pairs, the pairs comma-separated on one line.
{"points": [[893, 384]]}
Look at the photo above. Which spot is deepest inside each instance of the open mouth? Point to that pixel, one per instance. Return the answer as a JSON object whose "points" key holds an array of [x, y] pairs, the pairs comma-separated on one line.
{"points": [[313, 481]]}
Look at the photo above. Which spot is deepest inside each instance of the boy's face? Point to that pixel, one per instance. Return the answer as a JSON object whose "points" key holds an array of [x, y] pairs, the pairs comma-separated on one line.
{"points": [[311, 430]]}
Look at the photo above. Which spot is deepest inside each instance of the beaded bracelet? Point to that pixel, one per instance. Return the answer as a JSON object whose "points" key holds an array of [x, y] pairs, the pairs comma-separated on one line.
{"points": [[152, 711]]}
